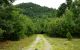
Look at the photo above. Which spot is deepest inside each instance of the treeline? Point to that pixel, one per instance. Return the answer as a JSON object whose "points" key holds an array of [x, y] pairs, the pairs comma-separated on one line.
{"points": [[26, 19], [34, 10]]}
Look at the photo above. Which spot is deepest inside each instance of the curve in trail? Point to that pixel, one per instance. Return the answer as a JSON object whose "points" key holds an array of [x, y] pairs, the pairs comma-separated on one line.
{"points": [[39, 44]]}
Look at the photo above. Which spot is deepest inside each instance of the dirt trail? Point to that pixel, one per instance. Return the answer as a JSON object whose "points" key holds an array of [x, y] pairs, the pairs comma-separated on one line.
{"points": [[40, 43]]}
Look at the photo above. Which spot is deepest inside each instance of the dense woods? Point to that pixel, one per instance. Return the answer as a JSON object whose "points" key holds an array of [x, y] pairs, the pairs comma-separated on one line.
{"points": [[25, 19], [34, 10]]}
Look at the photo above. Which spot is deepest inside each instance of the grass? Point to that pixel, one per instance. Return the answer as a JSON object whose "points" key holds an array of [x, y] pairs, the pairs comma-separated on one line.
{"points": [[40, 44], [17, 45], [64, 44], [56, 43]]}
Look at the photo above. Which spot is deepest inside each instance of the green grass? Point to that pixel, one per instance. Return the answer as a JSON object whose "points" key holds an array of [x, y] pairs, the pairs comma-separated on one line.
{"points": [[56, 43], [17, 45], [64, 44], [40, 44]]}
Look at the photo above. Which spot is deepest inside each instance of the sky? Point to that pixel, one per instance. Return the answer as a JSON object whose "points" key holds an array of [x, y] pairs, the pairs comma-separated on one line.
{"points": [[47, 3]]}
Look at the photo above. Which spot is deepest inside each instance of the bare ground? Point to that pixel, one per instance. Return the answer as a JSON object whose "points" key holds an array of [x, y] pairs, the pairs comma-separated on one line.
{"points": [[40, 43]]}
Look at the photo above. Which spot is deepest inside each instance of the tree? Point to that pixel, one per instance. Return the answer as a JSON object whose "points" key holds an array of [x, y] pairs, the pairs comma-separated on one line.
{"points": [[34, 10], [69, 3], [5, 18], [6, 1], [61, 9], [77, 8], [1, 33]]}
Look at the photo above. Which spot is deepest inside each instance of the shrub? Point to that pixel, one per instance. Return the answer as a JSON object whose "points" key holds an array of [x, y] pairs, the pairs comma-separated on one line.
{"points": [[69, 36], [1, 32]]}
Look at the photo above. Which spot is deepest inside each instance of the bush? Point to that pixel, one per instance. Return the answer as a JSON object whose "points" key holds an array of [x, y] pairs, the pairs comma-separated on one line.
{"points": [[1, 33], [69, 36]]}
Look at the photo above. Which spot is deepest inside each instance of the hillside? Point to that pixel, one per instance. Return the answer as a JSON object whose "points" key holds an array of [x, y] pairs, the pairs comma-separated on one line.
{"points": [[34, 10]]}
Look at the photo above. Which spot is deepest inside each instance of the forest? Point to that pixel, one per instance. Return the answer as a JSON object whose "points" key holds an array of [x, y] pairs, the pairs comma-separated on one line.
{"points": [[26, 19]]}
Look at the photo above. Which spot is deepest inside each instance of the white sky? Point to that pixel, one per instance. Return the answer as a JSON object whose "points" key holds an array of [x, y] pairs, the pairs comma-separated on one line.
{"points": [[47, 3]]}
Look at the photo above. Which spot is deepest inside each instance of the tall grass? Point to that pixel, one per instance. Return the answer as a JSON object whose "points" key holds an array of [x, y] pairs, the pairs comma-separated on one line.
{"points": [[64, 44], [17, 45]]}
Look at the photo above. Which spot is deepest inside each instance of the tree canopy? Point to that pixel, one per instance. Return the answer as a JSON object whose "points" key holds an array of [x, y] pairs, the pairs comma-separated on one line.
{"points": [[26, 19], [34, 10]]}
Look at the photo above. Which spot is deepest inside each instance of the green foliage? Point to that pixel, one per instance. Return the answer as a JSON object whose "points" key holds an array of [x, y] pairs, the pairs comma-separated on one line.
{"points": [[69, 3], [61, 9], [1, 32], [69, 36], [6, 2], [34, 10], [27, 19], [60, 26]]}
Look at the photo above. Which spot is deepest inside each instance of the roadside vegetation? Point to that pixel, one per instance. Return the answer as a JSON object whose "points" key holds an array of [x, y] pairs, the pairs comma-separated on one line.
{"points": [[17, 45], [64, 44]]}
